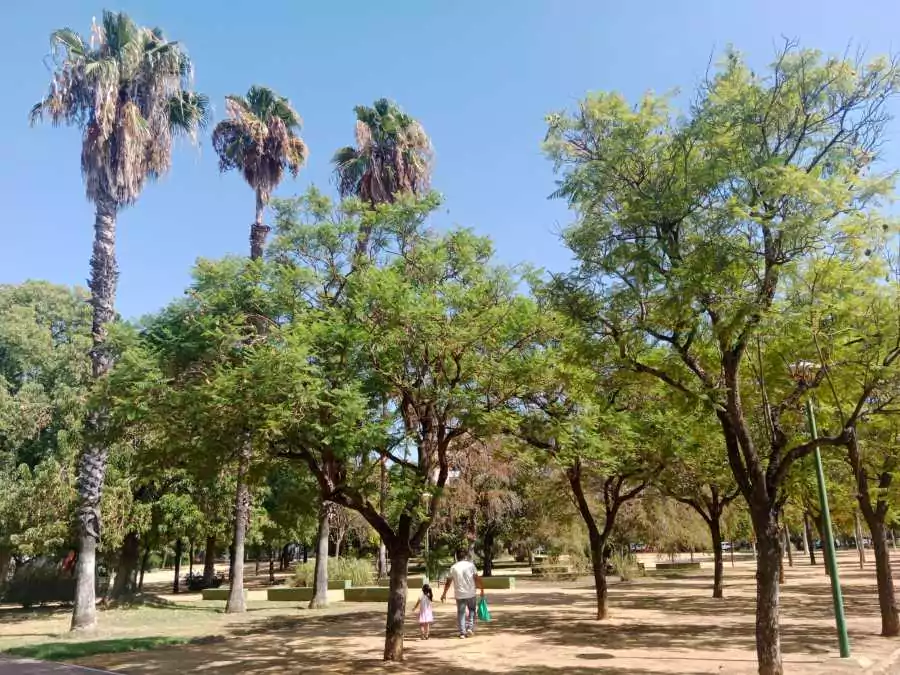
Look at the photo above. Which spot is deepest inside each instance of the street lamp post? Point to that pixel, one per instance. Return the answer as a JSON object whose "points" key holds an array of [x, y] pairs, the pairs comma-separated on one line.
{"points": [[831, 558]]}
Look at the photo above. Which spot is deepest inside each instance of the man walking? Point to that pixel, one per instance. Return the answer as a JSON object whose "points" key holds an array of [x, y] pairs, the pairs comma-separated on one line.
{"points": [[465, 580]]}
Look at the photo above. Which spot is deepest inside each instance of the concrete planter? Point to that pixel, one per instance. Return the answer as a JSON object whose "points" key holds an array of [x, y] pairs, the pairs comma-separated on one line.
{"points": [[366, 594], [303, 594], [416, 581], [218, 594], [499, 583]]}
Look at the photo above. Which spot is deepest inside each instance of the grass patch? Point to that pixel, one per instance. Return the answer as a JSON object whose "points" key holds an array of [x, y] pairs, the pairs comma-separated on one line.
{"points": [[66, 651]]}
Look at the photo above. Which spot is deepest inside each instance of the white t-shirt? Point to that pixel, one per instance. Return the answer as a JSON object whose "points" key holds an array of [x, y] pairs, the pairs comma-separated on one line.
{"points": [[463, 575]]}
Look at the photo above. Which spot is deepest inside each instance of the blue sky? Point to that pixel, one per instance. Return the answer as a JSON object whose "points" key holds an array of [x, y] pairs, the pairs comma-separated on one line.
{"points": [[479, 75]]}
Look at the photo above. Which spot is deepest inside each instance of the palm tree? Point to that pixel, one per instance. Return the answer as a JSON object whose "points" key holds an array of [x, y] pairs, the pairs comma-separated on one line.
{"points": [[260, 139], [392, 155], [127, 89]]}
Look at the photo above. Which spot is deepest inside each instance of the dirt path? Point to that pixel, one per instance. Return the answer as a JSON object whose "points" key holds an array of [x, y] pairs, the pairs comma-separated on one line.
{"points": [[658, 626]]}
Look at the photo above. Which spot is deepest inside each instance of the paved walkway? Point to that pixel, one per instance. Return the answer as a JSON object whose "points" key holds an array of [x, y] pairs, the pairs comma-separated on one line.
{"points": [[30, 667]]}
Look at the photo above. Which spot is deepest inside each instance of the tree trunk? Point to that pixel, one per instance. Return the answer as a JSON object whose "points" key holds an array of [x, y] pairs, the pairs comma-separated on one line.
{"points": [[145, 560], [285, 557], [598, 565], [320, 575], [787, 546], [129, 557], [715, 531], [396, 612], [804, 537], [768, 639], [272, 566], [488, 558], [191, 559], [179, 551], [209, 560], [382, 497], [810, 541], [305, 553], [5, 563], [780, 558], [887, 601], [860, 547], [382, 560], [258, 555], [338, 540], [821, 530], [92, 467], [236, 603], [231, 560]]}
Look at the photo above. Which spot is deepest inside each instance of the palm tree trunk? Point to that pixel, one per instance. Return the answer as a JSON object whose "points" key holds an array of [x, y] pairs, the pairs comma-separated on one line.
{"points": [[258, 230], [92, 468]]}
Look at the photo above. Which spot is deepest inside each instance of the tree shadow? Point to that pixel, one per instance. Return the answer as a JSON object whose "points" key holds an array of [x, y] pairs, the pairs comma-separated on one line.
{"points": [[12, 615]]}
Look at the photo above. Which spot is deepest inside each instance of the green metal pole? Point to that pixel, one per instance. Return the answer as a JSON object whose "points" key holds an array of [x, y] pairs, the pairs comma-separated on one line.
{"points": [[831, 558]]}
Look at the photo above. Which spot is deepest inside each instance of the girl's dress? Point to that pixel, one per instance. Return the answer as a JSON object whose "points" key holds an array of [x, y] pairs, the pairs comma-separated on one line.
{"points": [[426, 614]]}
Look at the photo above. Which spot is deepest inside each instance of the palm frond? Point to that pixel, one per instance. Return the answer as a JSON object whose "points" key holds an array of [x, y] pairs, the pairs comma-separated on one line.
{"points": [[296, 155], [260, 139], [119, 32], [128, 92], [393, 154], [36, 114], [68, 39], [236, 100], [189, 112], [228, 142], [344, 155], [282, 110], [260, 100]]}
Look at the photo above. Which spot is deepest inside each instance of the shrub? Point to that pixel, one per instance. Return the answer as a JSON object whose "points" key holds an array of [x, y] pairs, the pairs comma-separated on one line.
{"points": [[196, 581], [359, 572], [624, 564], [42, 580], [304, 574]]}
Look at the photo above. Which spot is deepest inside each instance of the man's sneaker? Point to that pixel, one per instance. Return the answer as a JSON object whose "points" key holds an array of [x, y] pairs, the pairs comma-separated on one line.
{"points": [[470, 632], [462, 636]]}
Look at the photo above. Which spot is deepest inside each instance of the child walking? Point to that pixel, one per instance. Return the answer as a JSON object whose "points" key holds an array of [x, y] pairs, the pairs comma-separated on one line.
{"points": [[426, 613]]}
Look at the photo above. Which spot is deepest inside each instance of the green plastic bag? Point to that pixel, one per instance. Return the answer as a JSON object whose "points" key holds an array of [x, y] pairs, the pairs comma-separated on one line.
{"points": [[484, 614]]}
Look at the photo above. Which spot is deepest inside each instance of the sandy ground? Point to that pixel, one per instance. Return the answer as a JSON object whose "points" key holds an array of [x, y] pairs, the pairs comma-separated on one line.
{"points": [[658, 625]]}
